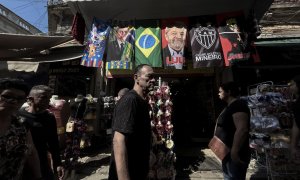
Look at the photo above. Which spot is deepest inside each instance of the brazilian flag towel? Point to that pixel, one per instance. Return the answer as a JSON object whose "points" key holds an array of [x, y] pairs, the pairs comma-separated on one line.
{"points": [[148, 43]]}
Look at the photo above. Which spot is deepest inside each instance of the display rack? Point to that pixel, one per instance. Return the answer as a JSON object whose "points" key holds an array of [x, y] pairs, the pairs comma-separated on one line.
{"points": [[107, 116], [270, 123], [162, 157]]}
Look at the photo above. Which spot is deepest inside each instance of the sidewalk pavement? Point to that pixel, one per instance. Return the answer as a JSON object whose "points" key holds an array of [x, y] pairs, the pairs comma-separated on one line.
{"points": [[192, 164]]}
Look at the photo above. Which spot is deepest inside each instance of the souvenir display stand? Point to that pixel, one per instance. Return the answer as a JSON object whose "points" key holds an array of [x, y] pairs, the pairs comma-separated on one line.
{"points": [[162, 157], [108, 109], [270, 123], [104, 113], [90, 114]]}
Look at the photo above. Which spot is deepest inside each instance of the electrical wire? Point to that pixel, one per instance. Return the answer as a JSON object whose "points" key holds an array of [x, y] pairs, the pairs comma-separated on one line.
{"points": [[27, 6], [41, 18], [22, 6]]}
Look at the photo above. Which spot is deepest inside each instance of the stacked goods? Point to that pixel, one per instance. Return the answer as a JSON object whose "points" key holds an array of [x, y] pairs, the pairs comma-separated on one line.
{"points": [[270, 123]]}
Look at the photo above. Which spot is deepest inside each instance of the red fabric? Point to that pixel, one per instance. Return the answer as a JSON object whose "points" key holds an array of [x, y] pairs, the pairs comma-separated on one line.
{"points": [[78, 28]]}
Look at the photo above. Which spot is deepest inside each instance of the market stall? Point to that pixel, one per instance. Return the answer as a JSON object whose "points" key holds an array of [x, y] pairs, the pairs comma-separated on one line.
{"points": [[270, 123]]}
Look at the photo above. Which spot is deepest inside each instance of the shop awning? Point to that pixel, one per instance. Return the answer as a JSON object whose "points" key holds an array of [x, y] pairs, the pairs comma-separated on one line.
{"points": [[19, 45], [50, 58], [31, 64], [158, 9], [22, 66]]}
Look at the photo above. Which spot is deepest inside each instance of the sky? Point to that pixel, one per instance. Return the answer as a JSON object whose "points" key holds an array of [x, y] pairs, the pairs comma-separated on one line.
{"points": [[33, 11]]}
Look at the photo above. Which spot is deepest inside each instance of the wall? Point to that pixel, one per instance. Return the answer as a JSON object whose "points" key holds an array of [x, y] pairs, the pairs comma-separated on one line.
{"points": [[12, 23]]}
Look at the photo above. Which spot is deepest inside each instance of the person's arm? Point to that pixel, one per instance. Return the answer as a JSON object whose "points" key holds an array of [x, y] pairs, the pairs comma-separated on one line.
{"points": [[32, 161], [240, 135], [120, 154], [294, 139], [54, 147]]}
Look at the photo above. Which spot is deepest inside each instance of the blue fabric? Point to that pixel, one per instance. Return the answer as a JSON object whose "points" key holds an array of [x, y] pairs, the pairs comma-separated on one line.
{"points": [[94, 50]]}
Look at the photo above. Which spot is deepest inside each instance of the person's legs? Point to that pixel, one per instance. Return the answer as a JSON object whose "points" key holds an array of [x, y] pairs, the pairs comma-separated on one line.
{"points": [[234, 171], [225, 168]]}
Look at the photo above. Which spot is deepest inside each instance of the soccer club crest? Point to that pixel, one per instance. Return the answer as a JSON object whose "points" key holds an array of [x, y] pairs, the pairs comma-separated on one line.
{"points": [[205, 37]]}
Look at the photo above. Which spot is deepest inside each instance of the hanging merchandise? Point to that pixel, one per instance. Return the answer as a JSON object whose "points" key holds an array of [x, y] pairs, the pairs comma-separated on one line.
{"points": [[108, 109], [174, 34], [206, 47], [232, 42], [120, 48], [93, 53], [61, 110], [236, 39], [78, 28], [270, 126], [148, 43], [162, 157]]}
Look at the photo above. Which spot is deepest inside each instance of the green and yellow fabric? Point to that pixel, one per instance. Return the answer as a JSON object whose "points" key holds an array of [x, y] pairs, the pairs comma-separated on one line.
{"points": [[148, 43]]}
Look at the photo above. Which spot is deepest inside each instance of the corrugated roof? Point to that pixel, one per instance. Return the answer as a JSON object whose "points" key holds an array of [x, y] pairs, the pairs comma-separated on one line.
{"points": [[278, 42]]}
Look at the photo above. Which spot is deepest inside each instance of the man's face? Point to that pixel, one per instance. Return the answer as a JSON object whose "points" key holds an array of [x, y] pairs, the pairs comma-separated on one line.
{"points": [[122, 33], [11, 100], [222, 94], [176, 37], [40, 99], [145, 78]]}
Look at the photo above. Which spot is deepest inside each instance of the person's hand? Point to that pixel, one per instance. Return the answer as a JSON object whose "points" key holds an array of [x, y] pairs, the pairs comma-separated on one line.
{"points": [[60, 172], [236, 158]]}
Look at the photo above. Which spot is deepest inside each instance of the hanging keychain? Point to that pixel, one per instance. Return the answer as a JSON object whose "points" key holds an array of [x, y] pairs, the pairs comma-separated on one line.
{"points": [[169, 142]]}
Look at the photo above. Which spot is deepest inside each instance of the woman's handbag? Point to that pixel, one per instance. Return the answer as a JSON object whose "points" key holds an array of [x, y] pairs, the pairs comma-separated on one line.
{"points": [[71, 122], [217, 145]]}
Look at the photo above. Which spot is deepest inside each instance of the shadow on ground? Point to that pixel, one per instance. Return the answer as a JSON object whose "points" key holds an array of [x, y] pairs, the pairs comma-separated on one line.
{"points": [[93, 160], [88, 168], [191, 158]]}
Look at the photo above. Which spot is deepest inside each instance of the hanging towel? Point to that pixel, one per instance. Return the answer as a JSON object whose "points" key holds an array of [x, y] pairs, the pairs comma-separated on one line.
{"points": [[206, 47], [174, 44], [120, 48], [95, 47], [148, 43], [78, 28]]}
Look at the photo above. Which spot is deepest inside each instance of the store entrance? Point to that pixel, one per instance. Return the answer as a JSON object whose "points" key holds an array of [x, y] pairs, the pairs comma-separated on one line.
{"points": [[193, 109]]}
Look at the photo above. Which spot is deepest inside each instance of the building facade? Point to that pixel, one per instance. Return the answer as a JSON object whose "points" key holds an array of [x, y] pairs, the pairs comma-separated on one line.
{"points": [[12, 23]]}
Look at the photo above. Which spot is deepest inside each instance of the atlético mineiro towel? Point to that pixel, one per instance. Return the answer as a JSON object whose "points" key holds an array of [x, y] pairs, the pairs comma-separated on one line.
{"points": [[93, 53], [174, 36], [148, 43], [206, 47]]}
